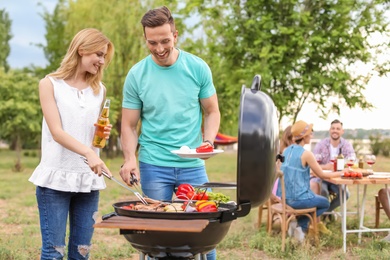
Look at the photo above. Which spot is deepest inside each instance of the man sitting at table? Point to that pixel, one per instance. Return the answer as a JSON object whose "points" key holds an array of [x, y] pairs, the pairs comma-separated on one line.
{"points": [[329, 148], [383, 199]]}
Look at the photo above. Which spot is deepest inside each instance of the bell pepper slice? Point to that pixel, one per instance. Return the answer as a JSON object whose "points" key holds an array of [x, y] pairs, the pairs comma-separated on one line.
{"points": [[208, 208], [203, 204], [206, 148], [200, 202]]}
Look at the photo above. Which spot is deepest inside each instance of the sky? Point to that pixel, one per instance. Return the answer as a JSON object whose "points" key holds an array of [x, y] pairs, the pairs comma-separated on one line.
{"points": [[28, 29]]}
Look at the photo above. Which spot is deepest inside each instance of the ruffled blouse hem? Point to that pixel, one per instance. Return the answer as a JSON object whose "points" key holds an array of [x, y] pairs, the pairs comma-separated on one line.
{"points": [[66, 180]]}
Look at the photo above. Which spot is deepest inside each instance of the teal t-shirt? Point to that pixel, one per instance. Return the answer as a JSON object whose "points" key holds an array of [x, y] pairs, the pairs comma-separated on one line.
{"points": [[169, 100]]}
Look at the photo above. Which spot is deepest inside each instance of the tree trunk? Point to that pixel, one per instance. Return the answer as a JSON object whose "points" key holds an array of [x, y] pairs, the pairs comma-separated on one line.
{"points": [[18, 149]]}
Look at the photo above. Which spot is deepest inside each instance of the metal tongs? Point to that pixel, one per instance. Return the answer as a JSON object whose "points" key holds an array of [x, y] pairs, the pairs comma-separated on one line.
{"points": [[133, 181]]}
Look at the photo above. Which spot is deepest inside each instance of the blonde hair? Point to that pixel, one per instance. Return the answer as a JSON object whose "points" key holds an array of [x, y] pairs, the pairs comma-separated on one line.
{"points": [[86, 41]]}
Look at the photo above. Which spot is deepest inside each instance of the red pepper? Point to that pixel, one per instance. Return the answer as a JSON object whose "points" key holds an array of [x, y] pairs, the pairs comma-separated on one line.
{"points": [[202, 196], [191, 195], [129, 207], [183, 190], [206, 148]]}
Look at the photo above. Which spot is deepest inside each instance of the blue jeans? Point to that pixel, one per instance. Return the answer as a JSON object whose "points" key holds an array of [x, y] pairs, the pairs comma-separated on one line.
{"points": [[327, 188], [320, 202], [54, 207], [159, 183]]}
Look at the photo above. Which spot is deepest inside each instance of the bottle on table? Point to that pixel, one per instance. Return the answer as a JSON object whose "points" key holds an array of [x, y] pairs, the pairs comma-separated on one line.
{"points": [[340, 161], [333, 160], [361, 162], [99, 139]]}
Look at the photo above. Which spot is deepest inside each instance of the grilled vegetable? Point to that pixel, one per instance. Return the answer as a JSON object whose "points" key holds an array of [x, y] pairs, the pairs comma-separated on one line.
{"points": [[183, 190], [174, 207], [203, 203], [206, 206]]}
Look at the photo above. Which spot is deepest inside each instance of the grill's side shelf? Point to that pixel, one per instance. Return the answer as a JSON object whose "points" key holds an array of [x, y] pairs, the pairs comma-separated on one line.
{"points": [[177, 225]]}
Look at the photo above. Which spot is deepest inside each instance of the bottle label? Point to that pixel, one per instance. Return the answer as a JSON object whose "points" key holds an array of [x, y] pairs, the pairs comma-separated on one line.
{"points": [[340, 164]]}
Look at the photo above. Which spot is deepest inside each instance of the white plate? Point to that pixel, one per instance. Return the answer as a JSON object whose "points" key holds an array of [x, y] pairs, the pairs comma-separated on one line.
{"points": [[193, 154], [327, 171], [378, 176], [381, 173]]}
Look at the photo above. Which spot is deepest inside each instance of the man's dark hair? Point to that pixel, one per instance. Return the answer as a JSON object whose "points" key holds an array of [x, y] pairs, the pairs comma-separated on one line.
{"points": [[336, 121], [158, 17]]}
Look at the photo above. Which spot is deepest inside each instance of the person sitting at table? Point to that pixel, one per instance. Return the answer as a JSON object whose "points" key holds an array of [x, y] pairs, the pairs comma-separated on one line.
{"points": [[383, 199], [296, 168], [329, 148]]}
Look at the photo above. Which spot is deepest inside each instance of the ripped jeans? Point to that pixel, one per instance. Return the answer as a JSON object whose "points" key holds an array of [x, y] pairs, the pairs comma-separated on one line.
{"points": [[54, 207]]}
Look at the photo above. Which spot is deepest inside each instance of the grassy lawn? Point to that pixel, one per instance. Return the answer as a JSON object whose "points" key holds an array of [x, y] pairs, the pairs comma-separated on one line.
{"points": [[20, 236]]}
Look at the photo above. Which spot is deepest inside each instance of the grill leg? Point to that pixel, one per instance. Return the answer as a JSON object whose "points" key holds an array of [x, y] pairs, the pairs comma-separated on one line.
{"points": [[200, 257], [141, 256]]}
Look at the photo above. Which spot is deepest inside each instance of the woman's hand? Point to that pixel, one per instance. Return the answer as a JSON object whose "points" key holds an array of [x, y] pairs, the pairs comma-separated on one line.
{"points": [[107, 131], [96, 164]]}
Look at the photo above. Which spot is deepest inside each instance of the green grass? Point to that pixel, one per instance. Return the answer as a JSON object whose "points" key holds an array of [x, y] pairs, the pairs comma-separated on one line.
{"points": [[20, 235]]}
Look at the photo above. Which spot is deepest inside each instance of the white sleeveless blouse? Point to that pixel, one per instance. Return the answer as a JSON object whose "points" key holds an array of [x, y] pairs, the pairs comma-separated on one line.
{"points": [[59, 168]]}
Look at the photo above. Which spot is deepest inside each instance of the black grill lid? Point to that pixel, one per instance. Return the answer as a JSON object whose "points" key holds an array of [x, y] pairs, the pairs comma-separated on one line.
{"points": [[258, 140]]}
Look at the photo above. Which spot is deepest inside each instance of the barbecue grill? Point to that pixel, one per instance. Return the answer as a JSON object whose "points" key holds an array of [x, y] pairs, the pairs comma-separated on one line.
{"points": [[257, 148]]}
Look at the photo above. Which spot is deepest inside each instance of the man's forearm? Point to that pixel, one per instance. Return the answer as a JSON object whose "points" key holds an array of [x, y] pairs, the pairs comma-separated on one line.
{"points": [[211, 126], [129, 142]]}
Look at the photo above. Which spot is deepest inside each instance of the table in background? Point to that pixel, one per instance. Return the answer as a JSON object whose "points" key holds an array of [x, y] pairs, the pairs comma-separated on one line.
{"points": [[343, 182]]}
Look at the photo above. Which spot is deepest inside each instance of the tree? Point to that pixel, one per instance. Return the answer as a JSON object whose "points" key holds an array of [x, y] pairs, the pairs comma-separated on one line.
{"points": [[5, 37], [305, 51], [19, 110], [56, 40]]}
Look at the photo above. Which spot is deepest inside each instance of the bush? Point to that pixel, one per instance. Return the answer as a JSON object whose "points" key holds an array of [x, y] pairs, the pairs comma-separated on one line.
{"points": [[375, 143], [386, 147]]}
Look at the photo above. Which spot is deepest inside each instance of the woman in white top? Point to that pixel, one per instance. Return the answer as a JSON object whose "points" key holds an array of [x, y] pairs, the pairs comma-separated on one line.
{"points": [[71, 100]]}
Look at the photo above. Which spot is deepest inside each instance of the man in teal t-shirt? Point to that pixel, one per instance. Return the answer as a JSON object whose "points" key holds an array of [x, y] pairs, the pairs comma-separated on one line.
{"points": [[167, 92]]}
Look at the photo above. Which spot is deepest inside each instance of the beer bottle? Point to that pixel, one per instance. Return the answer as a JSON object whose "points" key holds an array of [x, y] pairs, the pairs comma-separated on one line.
{"points": [[361, 162], [99, 139], [340, 161]]}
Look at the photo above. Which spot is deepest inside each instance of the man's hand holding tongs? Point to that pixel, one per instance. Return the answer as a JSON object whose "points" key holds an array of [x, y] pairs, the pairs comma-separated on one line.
{"points": [[129, 173]]}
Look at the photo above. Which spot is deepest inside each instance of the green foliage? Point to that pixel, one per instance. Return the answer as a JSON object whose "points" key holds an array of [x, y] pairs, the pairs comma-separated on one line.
{"points": [[5, 37], [386, 147], [380, 145], [305, 51], [375, 143], [20, 111], [56, 40]]}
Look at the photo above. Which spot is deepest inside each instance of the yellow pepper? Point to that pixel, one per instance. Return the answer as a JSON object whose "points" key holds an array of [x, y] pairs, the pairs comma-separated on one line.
{"points": [[202, 204]]}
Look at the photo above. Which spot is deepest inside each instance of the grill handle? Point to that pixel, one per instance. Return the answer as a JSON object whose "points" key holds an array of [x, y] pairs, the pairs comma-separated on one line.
{"points": [[109, 215]]}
